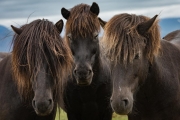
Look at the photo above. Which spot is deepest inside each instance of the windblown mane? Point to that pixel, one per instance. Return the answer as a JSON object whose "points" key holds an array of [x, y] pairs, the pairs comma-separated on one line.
{"points": [[39, 41], [82, 22], [121, 38]]}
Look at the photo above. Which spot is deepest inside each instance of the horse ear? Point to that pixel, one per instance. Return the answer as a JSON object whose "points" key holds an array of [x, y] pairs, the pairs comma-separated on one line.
{"points": [[143, 27], [16, 30], [102, 22], [65, 13], [94, 8], [59, 25]]}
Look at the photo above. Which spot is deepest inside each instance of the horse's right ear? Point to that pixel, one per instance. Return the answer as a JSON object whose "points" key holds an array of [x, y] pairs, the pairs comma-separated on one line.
{"points": [[102, 22], [65, 13], [16, 30], [59, 25], [143, 27]]}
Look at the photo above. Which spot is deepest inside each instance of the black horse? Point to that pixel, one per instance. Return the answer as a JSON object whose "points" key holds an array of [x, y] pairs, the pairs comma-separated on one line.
{"points": [[32, 76], [87, 94]]}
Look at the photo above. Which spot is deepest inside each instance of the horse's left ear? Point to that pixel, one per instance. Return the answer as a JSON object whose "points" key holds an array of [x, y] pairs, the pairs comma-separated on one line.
{"points": [[59, 25], [65, 13], [95, 8], [102, 22], [143, 27], [16, 30]]}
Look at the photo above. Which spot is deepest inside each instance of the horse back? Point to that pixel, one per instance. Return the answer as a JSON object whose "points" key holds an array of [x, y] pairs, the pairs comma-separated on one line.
{"points": [[3, 55], [174, 38]]}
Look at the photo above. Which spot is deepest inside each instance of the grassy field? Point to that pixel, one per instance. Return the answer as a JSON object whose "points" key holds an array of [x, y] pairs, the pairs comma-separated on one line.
{"points": [[63, 116]]}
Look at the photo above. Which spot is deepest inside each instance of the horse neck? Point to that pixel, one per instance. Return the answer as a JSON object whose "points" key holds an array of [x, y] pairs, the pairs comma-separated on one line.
{"points": [[160, 89], [164, 74]]}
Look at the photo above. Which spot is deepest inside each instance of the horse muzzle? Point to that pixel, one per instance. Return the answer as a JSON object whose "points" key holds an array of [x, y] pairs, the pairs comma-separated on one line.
{"points": [[83, 77], [122, 104], [43, 108]]}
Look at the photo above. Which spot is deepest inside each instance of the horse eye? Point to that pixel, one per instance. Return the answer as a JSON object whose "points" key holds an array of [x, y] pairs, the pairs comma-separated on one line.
{"points": [[69, 37], [136, 56], [96, 36], [94, 51]]}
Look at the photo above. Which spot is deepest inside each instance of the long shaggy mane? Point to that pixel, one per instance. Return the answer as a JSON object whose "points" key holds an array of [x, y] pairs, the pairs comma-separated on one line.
{"points": [[121, 39], [82, 22], [39, 41]]}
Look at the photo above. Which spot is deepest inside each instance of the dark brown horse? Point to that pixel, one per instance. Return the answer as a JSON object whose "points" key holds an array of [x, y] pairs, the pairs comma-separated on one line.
{"points": [[145, 70], [32, 76], [87, 94]]}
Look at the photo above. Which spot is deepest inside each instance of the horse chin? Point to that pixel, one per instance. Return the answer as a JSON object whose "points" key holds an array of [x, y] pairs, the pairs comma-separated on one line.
{"points": [[40, 113], [121, 110], [83, 82]]}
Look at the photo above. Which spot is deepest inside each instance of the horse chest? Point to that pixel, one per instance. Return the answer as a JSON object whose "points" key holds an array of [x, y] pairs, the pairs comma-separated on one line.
{"points": [[153, 102]]}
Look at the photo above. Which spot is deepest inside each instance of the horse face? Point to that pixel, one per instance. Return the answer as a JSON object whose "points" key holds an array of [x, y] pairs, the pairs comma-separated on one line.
{"points": [[43, 92], [84, 52], [126, 80], [82, 28], [130, 56], [44, 84]]}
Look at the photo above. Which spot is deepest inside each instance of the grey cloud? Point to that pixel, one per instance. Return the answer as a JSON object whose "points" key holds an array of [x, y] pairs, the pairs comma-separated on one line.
{"points": [[23, 8]]}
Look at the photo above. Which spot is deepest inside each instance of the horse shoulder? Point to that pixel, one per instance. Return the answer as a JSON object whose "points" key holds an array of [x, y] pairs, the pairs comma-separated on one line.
{"points": [[167, 62]]}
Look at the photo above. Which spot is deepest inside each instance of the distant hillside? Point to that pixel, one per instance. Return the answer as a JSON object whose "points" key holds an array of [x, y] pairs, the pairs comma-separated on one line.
{"points": [[166, 25], [5, 39]]}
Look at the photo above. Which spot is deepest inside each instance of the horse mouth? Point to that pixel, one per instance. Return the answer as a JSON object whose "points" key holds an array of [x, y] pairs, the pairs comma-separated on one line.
{"points": [[84, 82]]}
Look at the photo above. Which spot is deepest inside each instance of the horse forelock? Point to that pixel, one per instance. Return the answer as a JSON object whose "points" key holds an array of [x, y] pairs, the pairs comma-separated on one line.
{"points": [[39, 41], [121, 39], [82, 22]]}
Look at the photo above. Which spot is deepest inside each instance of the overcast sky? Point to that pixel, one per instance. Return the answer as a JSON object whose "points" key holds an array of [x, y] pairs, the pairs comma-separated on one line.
{"points": [[16, 12]]}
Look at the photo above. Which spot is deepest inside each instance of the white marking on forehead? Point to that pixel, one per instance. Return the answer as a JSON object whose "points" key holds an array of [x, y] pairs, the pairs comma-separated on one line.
{"points": [[119, 88]]}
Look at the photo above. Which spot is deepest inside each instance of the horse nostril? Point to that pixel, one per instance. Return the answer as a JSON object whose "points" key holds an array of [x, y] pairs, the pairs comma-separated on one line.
{"points": [[75, 72], [110, 99], [50, 101], [33, 103], [89, 72], [125, 101]]}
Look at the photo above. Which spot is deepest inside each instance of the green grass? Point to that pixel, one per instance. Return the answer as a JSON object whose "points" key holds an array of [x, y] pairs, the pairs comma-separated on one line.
{"points": [[115, 116]]}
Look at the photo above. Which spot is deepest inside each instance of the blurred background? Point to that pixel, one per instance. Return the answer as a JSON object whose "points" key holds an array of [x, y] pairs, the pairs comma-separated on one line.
{"points": [[19, 12]]}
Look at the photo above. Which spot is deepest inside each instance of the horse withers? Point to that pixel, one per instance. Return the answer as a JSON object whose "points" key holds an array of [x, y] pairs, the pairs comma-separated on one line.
{"points": [[145, 69], [173, 37], [87, 94], [3, 55], [31, 77]]}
